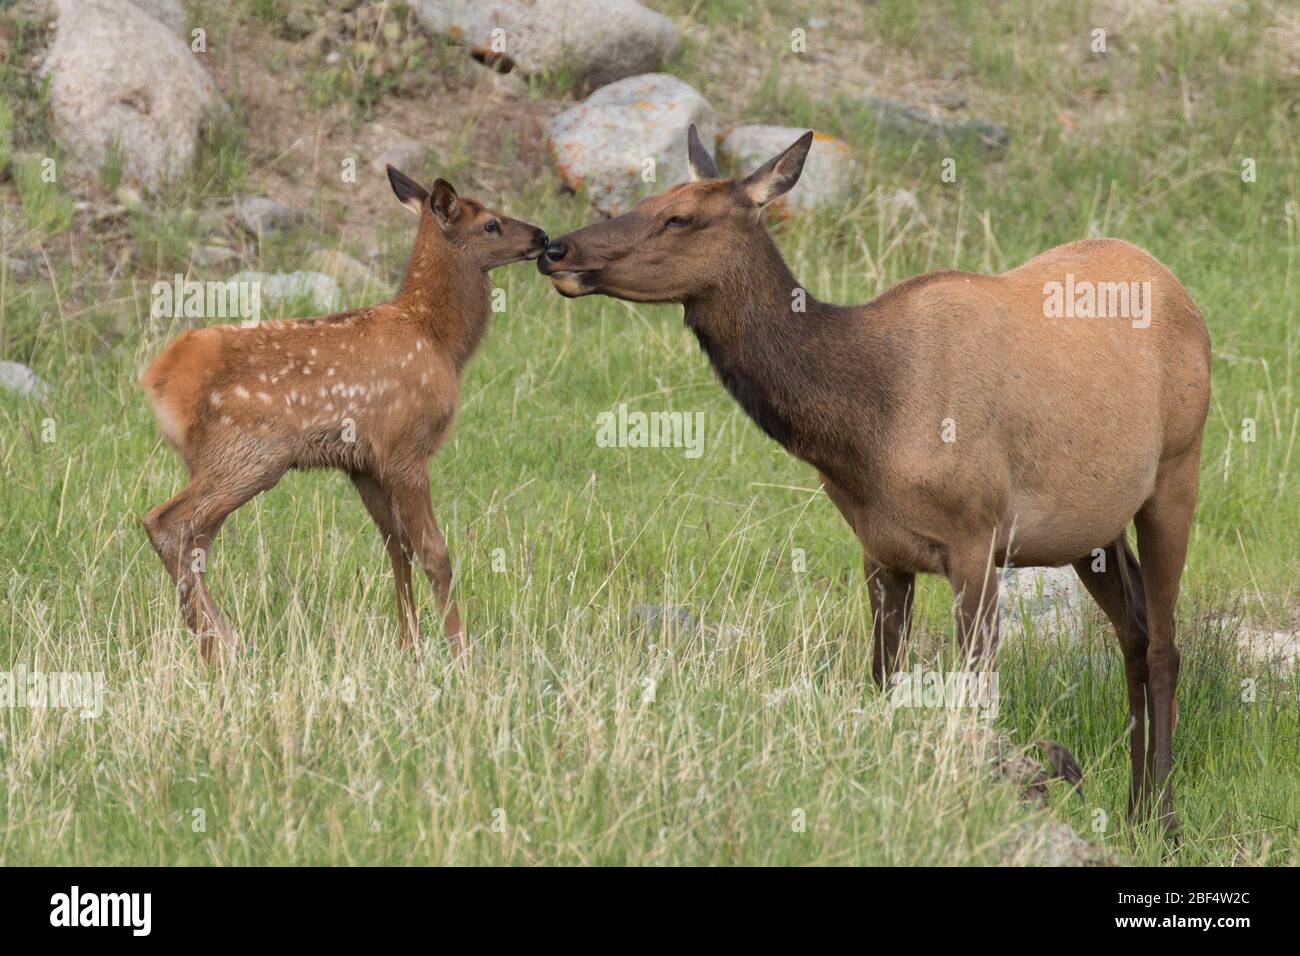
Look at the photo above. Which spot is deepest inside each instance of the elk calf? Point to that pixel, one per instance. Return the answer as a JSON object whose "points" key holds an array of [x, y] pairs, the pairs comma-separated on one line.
{"points": [[371, 392]]}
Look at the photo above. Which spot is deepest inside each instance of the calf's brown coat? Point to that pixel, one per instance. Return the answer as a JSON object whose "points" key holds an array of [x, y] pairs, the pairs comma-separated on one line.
{"points": [[371, 392]]}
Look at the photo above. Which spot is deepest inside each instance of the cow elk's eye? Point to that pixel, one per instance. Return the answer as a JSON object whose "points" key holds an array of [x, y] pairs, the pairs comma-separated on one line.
{"points": [[679, 221], [492, 226]]}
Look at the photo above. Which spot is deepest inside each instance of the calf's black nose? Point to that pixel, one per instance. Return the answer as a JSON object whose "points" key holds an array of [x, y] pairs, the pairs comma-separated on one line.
{"points": [[539, 237], [555, 251]]}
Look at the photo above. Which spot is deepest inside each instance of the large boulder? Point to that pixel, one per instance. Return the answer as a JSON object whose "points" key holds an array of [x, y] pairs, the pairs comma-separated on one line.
{"points": [[598, 41], [831, 176], [169, 13], [120, 77], [628, 139]]}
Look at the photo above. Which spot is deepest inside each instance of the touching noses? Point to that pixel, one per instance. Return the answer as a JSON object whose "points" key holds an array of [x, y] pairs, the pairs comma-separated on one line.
{"points": [[540, 238], [555, 252]]}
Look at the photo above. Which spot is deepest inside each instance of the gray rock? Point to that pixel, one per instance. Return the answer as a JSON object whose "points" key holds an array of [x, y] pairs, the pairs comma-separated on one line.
{"points": [[342, 267], [904, 118], [276, 288], [831, 176], [259, 214], [604, 143], [215, 256], [169, 13], [598, 40], [120, 78], [18, 378], [664, 618], [15, 267], [1045, 594], [398, 151]]}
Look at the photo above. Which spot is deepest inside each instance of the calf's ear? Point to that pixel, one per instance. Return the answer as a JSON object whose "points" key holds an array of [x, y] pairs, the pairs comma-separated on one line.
{"points": [[445, 204], [409, 193]]}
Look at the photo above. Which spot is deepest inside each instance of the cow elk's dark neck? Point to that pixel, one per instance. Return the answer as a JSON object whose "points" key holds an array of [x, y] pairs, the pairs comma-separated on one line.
{"points": [[780, 352]]}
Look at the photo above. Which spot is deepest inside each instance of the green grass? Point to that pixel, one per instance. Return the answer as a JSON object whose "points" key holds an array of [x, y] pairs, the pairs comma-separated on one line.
{"points": [[576, 734]]}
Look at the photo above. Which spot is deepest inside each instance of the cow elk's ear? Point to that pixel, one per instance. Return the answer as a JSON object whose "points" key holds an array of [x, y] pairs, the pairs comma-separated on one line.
{"points": [[701, 163], [409, 193], [446, 207], [777, 176]]}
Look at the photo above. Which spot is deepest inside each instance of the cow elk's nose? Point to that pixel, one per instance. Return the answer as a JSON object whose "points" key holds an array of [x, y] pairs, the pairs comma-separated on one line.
{"points": [[540, 237], [555, 251]]}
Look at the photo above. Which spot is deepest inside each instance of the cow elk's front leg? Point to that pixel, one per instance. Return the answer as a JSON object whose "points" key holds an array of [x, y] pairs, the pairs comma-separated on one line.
{"points": [[891, 594], [974, 581]]}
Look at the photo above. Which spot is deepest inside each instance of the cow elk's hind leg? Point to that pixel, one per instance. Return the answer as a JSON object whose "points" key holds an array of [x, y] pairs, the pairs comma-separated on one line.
{"points": [[414, 511], [1163, 526], [1116, 585], [376, 499], [891, 593]]}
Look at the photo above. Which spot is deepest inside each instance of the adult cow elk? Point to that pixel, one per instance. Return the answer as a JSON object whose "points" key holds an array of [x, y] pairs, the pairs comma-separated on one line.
{"points": [[956, 422], [371, 392]]}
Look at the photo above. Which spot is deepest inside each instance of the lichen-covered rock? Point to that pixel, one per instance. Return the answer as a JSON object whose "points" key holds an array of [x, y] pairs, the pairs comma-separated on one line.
{"points": [[628, 139], [598, 41], [831, 176], [121, 79]]}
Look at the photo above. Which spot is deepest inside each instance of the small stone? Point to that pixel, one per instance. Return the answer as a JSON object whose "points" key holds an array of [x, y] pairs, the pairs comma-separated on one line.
{"points": [[664, 618], [260, 214], [276, 288], [341, 266], [19, 379], [900, 117], [215, 256]]}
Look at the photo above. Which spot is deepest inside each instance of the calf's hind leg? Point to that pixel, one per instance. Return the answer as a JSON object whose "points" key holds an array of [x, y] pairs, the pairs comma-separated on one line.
{"points": [[182, 530]]}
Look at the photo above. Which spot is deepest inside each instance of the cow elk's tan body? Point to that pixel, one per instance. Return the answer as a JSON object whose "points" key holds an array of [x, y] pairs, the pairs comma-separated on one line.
{"points": [[371, 392], [956, 424]]}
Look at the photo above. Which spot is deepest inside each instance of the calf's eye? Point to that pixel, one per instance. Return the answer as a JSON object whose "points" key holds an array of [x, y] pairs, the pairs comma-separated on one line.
{"points": [[492, 226]]}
